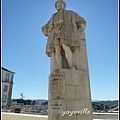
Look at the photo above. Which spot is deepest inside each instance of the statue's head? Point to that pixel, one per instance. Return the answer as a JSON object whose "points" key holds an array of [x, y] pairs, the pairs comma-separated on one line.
{"points": [[60, 5]]}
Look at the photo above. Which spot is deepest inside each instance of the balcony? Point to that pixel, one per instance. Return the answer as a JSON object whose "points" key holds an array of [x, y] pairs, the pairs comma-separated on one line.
{"points": [[8, 81]]}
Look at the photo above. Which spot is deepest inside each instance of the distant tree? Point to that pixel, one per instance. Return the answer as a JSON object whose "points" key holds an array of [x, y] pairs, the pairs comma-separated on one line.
{"points": [[42, 103], [14, 100], [33, 102], [28, 102], [98, 107], [21, 98], [102, 107], [22, 95], [46, 103]]}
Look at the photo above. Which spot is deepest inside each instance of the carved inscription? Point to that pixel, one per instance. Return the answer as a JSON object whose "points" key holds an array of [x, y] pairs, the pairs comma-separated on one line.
{"points": [[56, 106]]}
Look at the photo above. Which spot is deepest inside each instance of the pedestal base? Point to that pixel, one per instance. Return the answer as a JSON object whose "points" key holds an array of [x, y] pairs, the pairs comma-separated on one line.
{"points": [[69, 95]]}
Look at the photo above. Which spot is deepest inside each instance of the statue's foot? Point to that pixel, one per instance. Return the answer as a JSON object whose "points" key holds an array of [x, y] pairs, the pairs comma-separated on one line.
{"points": [[73, 68]]}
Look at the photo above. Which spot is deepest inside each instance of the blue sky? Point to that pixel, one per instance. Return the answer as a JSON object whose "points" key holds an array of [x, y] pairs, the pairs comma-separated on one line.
{"points": [[23, 45]]}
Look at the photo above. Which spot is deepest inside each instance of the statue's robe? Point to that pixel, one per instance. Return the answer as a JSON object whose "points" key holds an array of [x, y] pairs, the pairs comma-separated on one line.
{"points": [[63, 27]]}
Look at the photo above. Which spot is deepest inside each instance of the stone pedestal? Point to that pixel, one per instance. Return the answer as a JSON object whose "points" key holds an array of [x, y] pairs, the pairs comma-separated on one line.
{"points": [[69, 95]]}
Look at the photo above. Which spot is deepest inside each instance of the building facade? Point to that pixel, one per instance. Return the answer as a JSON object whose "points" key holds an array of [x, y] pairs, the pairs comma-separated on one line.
{"points": [[7, 85]]}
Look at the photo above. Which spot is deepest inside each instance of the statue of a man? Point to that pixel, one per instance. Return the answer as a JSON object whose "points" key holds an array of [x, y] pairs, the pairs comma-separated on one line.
{"points": [[63, 31]]}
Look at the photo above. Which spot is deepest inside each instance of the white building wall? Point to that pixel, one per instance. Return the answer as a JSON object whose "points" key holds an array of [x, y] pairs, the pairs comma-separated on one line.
{"points": [[4, 103], [4, 82]]}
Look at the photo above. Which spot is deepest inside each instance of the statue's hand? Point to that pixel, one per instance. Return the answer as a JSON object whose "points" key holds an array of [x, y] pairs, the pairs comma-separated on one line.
{"points": [[83, 26], [80, 29], [44, 30]]}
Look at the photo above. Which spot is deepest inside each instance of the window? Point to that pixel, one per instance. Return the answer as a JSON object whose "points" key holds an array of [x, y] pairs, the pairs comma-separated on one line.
{"points": [[2, 75], [5, 88], [12, 78], [7, 77], [4, 98]]}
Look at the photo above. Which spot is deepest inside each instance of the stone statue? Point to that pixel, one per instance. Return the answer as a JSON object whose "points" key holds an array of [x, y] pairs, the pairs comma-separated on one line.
{"points": [[69, 86], [64, 31]]}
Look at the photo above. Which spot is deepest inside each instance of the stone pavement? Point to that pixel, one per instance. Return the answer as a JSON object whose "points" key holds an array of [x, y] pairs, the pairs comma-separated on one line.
{"points": [[19, 116]]}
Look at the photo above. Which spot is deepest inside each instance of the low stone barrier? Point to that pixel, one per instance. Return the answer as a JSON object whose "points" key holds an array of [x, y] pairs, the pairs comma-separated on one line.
{"points": [[108, 116]]}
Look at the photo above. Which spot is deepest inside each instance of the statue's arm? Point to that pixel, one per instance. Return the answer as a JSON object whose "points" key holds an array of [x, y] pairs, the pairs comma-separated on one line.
{"points": [[46, 27], [45, 30], [81, 23]]}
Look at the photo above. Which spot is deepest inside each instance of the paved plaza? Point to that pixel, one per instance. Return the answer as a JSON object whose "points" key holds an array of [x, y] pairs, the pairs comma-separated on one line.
{"points": [[19, 116]]}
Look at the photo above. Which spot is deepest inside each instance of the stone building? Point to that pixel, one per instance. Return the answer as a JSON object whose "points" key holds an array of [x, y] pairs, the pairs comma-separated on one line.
{"points": [[7, 85]]}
